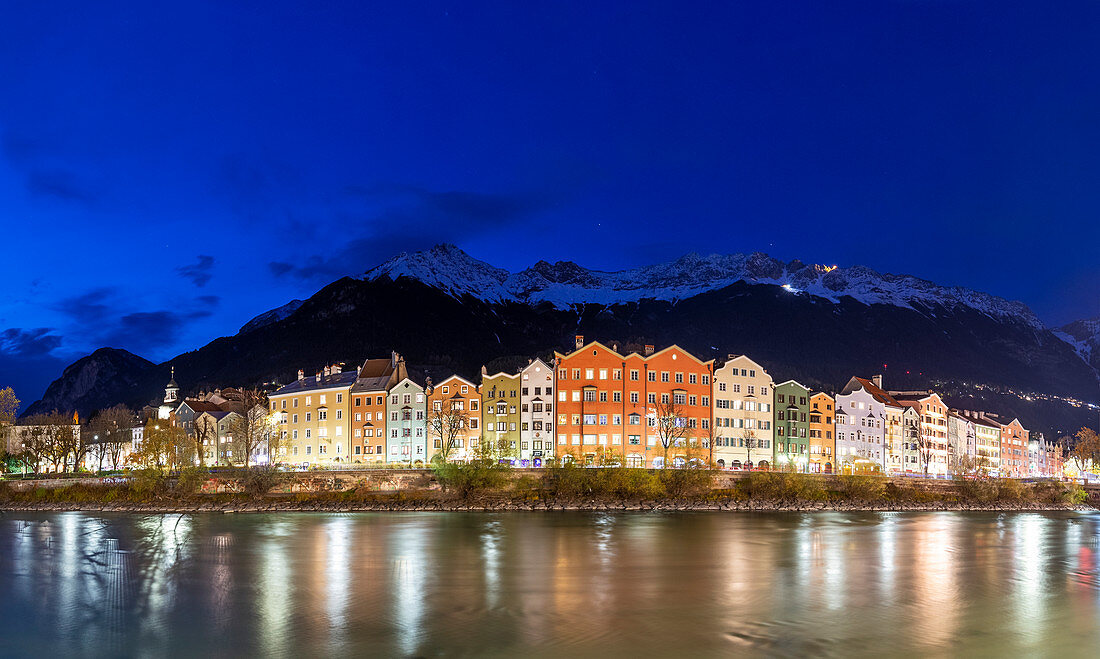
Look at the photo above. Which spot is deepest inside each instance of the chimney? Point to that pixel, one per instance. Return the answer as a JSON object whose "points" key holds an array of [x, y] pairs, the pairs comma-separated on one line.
{"points": [[877, 380], [730, 356], [358, 369], [337, 369], [301, 375], [579, 341], [648, 350], [484, 371], [318, 376], [327, 371], [615, 346], [394, 357]]}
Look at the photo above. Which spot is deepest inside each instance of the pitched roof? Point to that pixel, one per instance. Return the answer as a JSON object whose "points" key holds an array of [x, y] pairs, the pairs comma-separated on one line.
{"points": [[344, 379], [200, 406], [877, 392]]}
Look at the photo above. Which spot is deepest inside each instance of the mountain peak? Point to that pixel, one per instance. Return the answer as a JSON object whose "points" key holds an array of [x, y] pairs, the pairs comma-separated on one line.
{"points": [[565, 284]]}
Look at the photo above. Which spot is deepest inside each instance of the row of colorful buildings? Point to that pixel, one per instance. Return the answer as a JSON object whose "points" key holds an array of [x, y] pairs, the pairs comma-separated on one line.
{"points": [[597, 404]]}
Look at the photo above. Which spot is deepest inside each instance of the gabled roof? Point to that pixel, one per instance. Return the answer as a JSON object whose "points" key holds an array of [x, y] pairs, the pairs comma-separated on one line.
{"points": [[200, 406], [794, 382], [870, 387]]}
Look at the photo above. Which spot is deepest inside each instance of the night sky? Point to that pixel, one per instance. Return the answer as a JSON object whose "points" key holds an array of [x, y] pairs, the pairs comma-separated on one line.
{"points": [[167, 173]]}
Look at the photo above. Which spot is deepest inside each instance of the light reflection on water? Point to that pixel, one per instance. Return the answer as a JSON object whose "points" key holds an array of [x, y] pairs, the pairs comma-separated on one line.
{"points": [[548, 584]]}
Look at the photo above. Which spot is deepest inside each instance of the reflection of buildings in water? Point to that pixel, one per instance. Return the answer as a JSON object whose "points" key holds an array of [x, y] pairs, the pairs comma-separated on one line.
{"points": [[407, 581], [1028, 534], [275, 579], [490, 539], [887, 572], [338, 532], [934, 580]]}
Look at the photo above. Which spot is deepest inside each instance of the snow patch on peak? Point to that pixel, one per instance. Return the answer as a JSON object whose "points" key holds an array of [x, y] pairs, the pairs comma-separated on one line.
{"points": [[269, 317], [449, 269], [565, 284]]}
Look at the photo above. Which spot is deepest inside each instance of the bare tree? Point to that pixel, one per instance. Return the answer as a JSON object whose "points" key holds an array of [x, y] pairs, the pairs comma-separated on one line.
{"points": [[111, 431], [925, 447], [446, 424], [52, 438], [252, 429], [670, 424]]}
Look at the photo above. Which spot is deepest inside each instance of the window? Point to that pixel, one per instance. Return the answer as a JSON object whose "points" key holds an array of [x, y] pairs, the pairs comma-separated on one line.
{"points": [[664, 376], [679, 378], [652, 376], [634, 375]]}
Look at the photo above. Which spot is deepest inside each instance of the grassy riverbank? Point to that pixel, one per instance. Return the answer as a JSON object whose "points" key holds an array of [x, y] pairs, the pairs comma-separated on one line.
{"points": [[492, 487]]}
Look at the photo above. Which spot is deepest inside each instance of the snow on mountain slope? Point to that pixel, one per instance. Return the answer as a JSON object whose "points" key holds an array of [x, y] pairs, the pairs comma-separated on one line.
{"points": [[272, 316], [564, 284], [1084, 336]]}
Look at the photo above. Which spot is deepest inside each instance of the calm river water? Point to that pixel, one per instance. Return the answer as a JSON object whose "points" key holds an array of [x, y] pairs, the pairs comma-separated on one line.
{"points": [[550, 584]]}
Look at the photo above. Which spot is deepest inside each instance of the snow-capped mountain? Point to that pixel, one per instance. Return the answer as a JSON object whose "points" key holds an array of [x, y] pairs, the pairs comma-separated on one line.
{"points": [[565, 284], [1084, 336], [269, 317]]}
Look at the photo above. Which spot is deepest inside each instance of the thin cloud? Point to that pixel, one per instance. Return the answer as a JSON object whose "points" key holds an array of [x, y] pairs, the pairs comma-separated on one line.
{"points": [[414, 219], [199, 273]]}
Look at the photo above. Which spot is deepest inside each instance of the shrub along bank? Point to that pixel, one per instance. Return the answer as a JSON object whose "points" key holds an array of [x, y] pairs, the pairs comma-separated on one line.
{"points": [[485, 485]]}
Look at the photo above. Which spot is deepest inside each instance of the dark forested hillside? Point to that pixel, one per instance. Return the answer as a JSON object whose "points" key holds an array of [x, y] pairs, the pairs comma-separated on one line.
{"points": [[812, 339]]}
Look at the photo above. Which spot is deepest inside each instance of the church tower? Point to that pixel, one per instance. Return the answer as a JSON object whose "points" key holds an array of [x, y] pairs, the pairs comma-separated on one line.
{"points": [[171, 397]]}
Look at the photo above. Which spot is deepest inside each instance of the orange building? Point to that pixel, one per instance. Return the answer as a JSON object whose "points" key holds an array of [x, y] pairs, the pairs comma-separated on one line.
{"points": [[368, 407], [1014, 458], [459, 394], [608, 405], [822, 439], [931, 448]]}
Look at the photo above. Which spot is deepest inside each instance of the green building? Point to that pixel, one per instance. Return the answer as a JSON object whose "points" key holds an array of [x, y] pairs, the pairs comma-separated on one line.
{"points": [[792, 427]]}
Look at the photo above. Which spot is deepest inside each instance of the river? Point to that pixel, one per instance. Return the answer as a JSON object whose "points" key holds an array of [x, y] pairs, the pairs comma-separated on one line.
{"points": [[549, 584]]}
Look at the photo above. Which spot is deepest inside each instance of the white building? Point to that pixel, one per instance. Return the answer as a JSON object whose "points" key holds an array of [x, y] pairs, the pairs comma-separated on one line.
{"points": [[861, 426], [536, 414]]}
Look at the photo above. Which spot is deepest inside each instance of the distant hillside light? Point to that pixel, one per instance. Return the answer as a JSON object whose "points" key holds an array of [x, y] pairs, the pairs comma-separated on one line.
{"points": [[790, 289]]}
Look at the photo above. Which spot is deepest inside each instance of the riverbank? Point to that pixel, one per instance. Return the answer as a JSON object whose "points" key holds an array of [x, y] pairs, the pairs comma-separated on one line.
{"points": [[269, 506], [481, 488]]}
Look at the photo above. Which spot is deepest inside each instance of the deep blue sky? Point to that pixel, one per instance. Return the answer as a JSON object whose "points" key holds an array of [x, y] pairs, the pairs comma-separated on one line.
{"points": [[168, 172]]}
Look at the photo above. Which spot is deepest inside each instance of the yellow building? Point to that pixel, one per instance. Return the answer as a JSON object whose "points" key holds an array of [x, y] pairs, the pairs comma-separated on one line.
{"points": [[313, 418]]}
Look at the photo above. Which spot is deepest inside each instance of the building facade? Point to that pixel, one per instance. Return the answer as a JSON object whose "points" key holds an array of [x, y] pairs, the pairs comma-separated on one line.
{"points": [[792, 426], [369, 408], [500, 414], [625, 408], [536, 414], [312, 418], [407, 423], [861, 426], [453, 398], [743, 416], [822, 440], [931, 444]]}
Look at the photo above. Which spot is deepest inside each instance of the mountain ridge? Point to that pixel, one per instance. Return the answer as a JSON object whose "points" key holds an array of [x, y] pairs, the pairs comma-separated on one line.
{"points": [[774, 311], [565, 283]]}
